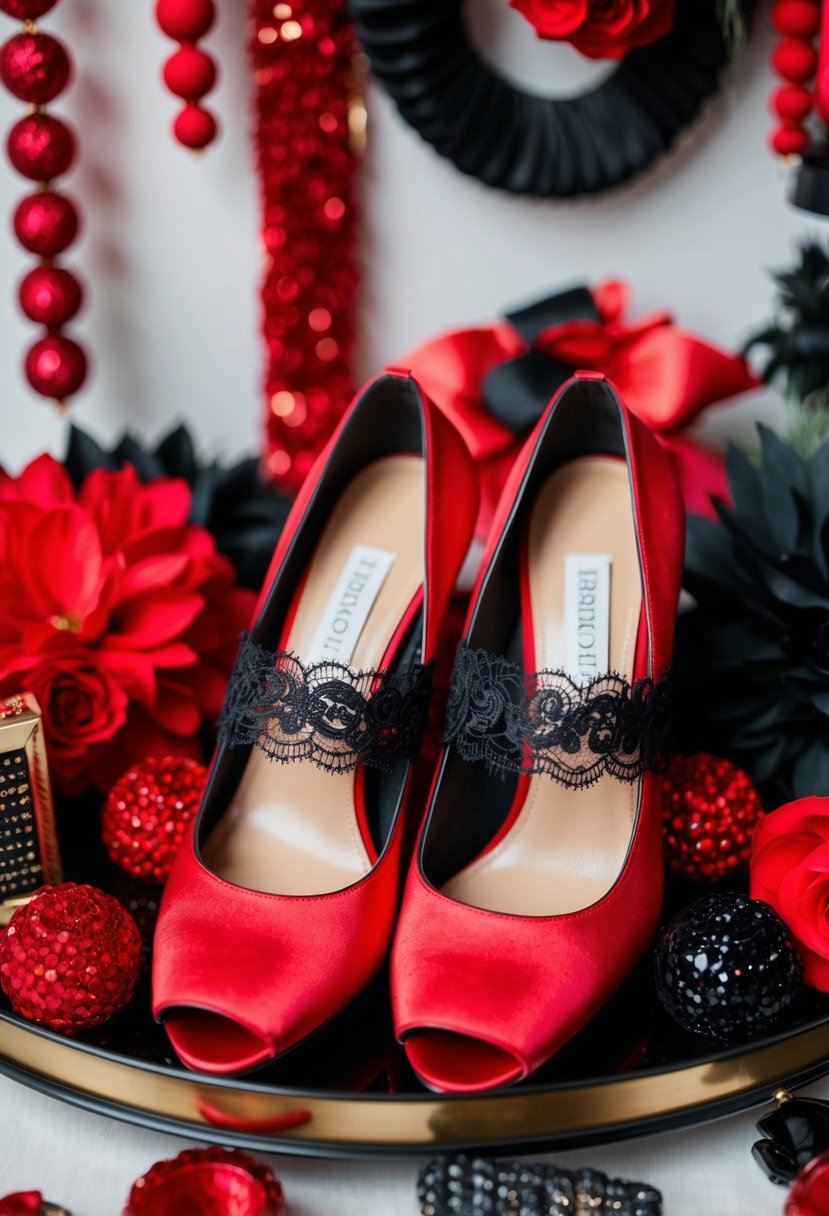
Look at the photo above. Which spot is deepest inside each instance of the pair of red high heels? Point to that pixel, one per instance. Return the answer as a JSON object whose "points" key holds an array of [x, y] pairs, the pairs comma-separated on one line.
{"points": [[537, 877]]}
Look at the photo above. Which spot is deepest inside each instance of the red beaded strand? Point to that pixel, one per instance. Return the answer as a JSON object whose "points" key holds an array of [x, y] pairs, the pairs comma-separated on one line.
{"points": [[310, 127], [795, 60], [189, 73], [35, 68]]}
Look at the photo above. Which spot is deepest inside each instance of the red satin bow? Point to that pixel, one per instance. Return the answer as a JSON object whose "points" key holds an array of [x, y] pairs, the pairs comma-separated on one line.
{"points": [[664, 374], [22, 1203]]}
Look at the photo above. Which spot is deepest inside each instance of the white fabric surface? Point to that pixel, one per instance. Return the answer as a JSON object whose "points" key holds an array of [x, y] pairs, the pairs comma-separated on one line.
{"points": [[88, 1163]]}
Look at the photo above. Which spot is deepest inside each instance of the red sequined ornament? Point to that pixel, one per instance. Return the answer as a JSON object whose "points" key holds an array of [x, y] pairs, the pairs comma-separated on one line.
{"points": [[34, 67], [56, 367], [310, 124], [26, 10], [810, 1194], [41, 147], [70, 958], [147, 814], [45, 223], [50, 295], [210, 1181], [710, 808]]}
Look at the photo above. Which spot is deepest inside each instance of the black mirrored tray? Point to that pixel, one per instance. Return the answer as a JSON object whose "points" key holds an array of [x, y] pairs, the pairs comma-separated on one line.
{"points": [[348, 1091]]}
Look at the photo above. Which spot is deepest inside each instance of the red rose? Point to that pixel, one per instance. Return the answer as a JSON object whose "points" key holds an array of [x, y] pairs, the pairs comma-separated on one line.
{"points": [[122, 618], [600, 29], [790, 871]]}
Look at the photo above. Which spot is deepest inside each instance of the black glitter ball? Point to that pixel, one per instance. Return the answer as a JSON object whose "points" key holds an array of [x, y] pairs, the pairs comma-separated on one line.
{"points": [[726, 967]]}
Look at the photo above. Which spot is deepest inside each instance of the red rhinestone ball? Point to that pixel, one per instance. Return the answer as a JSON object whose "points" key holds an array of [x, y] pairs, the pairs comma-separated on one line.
{"points": [[147, 814], [710, 808], [26, 10], [46, 223], [41, 147], [34, 67], [70, 958]]}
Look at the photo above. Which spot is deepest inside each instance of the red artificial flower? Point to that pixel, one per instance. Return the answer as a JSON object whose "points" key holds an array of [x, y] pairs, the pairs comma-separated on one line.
{"points": [[790, 871], [600, 29], [116, 613]]}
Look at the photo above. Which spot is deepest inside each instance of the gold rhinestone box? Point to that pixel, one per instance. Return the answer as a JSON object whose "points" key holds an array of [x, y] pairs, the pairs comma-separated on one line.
{"points": [[29, 855]]}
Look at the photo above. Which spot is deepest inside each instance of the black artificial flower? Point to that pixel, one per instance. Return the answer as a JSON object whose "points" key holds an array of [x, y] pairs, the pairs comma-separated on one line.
{"points": [[753, 654], [233, 502]]}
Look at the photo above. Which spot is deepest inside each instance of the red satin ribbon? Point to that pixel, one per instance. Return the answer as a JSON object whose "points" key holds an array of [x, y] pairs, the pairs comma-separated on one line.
{"points": [[665, 375], [22, 1203]]}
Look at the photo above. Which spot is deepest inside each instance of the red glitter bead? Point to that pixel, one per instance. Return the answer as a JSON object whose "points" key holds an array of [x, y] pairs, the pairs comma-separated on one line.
{"points": [[70, 958], [50, 295], [185, 20], [41, 147], [189, 73], [210, 1181], [709, 808], [791, 102], [795, 60], [26, 10], [34, 67], [46, 223], [194, 127], [796, 18], [810, 1194], [147, 814], [789, 140], [56, 367]]}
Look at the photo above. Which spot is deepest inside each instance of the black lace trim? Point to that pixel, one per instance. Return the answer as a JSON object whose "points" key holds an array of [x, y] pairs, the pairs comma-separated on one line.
{"points": [[326, 712], [546, 723]]}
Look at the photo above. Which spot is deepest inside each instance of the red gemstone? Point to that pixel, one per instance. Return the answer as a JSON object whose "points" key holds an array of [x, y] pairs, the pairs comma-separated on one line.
{"points": [[794, 60], [210, 1181], [185, 20], [148, 812], [810, 1194], [56, 367], [189, 73], [46, 223], [26, 10], [791, 102], [34, 67], [796, 18], [50, 295], [41, 147], [194, 127]]}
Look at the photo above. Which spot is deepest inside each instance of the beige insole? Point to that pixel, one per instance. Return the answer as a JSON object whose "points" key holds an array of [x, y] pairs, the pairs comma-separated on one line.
{"points": [[567, 846], [292, 828]]}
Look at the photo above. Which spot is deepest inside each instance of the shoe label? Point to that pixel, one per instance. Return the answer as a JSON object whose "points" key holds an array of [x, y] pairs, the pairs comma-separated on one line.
{"points": [[350, 603], [586, 615]]}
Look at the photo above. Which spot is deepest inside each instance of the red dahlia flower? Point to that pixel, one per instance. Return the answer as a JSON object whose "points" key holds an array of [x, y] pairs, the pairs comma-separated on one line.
{"points": [[116, 613], [600, 29]]}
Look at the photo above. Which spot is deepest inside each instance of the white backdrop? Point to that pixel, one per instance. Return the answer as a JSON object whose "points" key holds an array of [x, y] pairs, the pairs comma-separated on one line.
{"points": [[171, 253]]}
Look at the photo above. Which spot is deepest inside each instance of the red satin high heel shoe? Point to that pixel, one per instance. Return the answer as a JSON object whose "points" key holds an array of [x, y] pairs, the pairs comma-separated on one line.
{"points": [[537, 881], [281, 907]]}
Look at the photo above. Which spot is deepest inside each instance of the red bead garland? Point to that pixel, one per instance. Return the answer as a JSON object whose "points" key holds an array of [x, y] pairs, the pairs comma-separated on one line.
{"points": [[796, 61], [310, 129], [189, 73], [35, 67], [710, 809]]}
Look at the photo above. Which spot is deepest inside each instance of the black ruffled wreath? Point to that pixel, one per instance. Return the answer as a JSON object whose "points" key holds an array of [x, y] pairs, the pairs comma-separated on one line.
{"points": [[518, 141]]}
